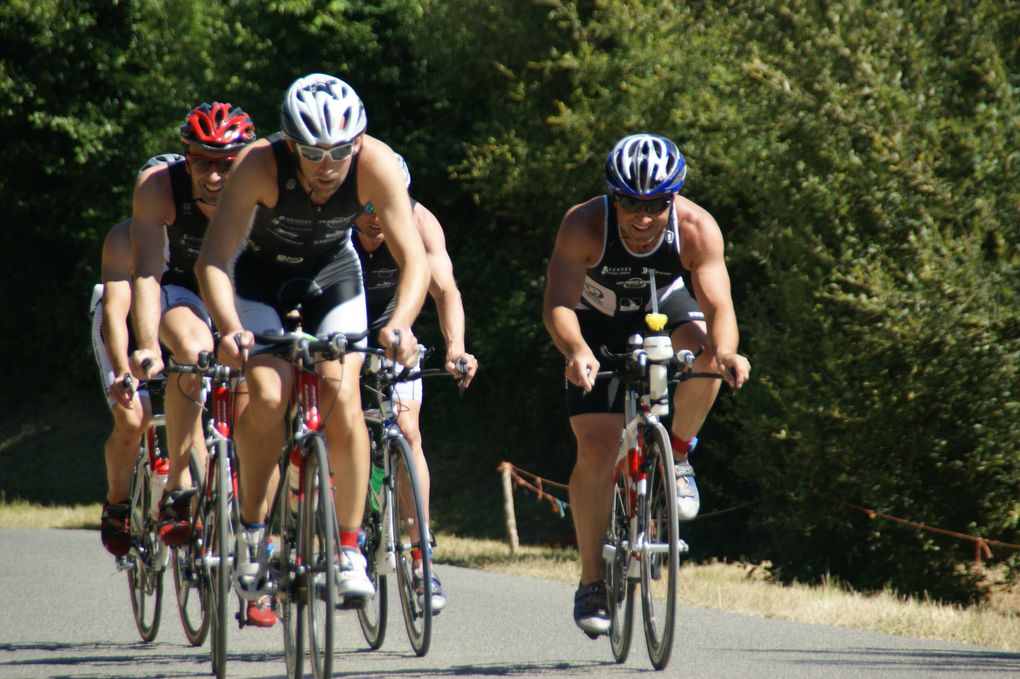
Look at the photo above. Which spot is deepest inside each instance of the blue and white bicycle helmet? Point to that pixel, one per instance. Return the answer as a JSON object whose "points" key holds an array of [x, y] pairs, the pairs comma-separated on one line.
{"points": [[321, 109], [645, 166], [161, 159]]}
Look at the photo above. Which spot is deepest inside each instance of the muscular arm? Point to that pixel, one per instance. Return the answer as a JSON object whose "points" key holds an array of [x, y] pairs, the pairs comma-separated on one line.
{"points": [[380, 180], [443, 289], [252, 181], [711, 282], [116, 278], [152, 210], [574, 251]]}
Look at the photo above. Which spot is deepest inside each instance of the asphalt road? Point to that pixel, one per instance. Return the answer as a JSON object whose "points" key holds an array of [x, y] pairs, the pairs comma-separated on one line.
{"points": [[65, 612]]}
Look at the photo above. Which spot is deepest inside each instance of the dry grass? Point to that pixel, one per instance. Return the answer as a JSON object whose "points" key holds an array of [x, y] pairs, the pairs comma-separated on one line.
{"points": [[740, 588], [743, 588]]}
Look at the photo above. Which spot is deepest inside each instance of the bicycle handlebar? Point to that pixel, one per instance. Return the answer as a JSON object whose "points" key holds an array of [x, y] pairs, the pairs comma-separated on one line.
{"points": [[207, 366], [296, 346]]}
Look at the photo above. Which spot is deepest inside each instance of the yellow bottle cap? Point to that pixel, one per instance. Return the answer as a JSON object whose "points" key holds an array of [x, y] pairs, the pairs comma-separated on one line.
{"points": [[656, 322]]}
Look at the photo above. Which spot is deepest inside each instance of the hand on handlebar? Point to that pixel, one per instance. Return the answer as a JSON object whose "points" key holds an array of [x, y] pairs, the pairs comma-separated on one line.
{"points": [[581, 370], [122, 391], [400, 344], [462, 366], [233, 348], [734, 368], [146, 363]]}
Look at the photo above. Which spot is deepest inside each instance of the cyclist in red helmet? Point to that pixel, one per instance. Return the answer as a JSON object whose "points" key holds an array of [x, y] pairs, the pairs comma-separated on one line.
{"points": [[172, 206]]}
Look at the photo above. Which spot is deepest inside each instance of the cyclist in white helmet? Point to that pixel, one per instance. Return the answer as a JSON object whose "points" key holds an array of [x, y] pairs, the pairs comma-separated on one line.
{"points": [[286, 217], [597, 292]]}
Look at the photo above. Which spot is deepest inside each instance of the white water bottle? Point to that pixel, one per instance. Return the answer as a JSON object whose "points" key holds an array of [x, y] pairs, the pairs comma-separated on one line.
{"points": [[658, 347], [294, 480]]}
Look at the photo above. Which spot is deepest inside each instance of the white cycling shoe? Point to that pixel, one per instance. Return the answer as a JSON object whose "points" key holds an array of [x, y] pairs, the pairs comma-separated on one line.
{"points": [[251, 576], [353, 583], [688, 501]]}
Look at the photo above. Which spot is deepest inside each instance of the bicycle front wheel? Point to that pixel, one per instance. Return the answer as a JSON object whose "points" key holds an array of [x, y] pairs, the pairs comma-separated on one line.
{"points": [[218, 542], [317, 553], [411, 538], [189, 582], [619, 589], [372, 616], [290, 582], [145, 570], [660, 559]]}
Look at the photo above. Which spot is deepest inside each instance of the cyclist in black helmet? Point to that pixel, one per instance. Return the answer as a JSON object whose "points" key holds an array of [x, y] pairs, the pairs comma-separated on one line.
{"points": [[597, 293]]}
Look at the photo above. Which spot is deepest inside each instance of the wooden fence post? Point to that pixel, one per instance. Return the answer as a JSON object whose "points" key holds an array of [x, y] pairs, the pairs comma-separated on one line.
{"points": [[508, 508]]}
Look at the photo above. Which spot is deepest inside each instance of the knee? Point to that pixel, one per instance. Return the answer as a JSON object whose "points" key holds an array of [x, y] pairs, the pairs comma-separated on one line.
{"points": [[128, 423], [596, 453]]}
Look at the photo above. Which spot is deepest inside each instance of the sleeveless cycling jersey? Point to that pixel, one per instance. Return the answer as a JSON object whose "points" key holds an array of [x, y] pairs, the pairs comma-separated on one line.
{"points": [[380, 274], [184, 236], [616, 289], [298, 239]]}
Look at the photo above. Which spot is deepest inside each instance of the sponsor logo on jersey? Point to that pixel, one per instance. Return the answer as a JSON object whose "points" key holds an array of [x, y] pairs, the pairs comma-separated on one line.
{"points": [[616, 271], [289, 260], [634, 283], [291, 184], [599, 297], [630, 304]]}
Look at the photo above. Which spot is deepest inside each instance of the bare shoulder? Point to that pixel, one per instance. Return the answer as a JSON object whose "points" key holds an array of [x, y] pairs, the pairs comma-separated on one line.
{"points": [[153, 184], [700, 236], [582, 230]]}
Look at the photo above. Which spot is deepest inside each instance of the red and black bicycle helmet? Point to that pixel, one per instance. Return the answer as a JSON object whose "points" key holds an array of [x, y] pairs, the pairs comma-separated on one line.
{"points": [[218, 127]]}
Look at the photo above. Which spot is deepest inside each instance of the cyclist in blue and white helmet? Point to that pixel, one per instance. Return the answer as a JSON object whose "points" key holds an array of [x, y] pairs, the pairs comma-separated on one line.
{"points": [[598, 292], [645, 166], [285, 223]]}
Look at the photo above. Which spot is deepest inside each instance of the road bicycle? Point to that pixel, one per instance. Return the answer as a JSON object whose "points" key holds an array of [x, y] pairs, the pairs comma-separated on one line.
{"points": [[202, 566], [395, 525], [303, 566], [643, 546], [147, 557]]}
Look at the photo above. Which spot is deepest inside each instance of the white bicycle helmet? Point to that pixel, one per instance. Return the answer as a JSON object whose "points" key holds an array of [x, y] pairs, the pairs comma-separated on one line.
{"points": [[645, 166], [320, 109], [161, 159]]}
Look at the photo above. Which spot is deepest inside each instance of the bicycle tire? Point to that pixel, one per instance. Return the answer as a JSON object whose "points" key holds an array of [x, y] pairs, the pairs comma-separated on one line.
{"points": [[660, 562], [290, 594], [218, 544], [189, 583], [407, 497], [317, 552], [373, 615], [619, 588], [145, 577]]}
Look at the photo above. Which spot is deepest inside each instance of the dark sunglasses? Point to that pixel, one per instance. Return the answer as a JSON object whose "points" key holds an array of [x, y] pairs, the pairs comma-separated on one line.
{"points": [[207, 164], [652, 207], [317, 154]]}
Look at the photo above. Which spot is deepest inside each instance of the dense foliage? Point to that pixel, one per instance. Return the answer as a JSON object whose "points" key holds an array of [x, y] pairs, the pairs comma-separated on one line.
{"points": [[861, 158]]}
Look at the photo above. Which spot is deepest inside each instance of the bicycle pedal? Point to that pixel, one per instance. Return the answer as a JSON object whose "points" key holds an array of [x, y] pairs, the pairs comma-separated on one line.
{"points": [[593, 635]]}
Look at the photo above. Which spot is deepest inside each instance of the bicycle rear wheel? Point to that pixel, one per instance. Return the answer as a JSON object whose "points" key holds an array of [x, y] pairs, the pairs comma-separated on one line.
{"points": [[372, 616], [145, 571], [290, 583], [660, 562], [317, 553], [619, 589], [411, 538], [218, 542], [189, 583]]}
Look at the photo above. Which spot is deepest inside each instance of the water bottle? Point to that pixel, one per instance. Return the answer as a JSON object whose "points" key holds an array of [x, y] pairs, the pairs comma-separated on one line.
{"points": [[294, 480], [658, 347], [157, 484]]}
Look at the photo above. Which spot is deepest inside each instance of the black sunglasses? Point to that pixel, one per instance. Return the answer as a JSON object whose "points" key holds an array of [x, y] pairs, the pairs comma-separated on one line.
{"points": [[652, 207]]}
